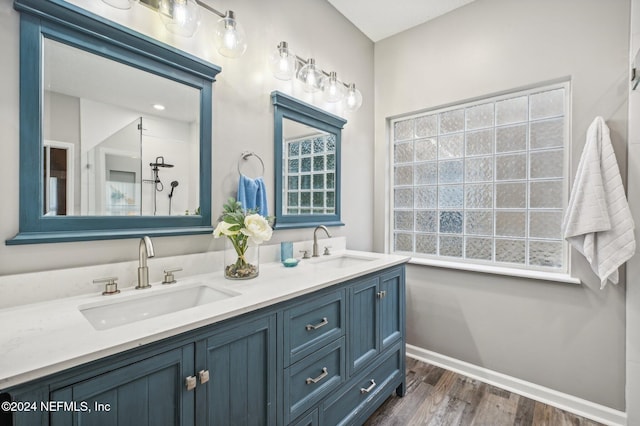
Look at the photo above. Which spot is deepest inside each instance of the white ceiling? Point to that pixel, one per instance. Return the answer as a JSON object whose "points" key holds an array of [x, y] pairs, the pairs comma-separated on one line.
{"points": [[77, 73], [379, 19]]}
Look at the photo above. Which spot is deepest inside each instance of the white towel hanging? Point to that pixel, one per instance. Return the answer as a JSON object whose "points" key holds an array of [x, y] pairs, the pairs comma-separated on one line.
{"points": [[598, 220]]}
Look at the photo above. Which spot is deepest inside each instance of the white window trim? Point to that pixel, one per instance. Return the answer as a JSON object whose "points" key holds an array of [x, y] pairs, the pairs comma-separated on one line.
{"points": [[563, 276], [497, 270]]}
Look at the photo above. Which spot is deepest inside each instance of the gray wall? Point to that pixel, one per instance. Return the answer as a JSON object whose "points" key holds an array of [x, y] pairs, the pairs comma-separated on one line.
{"points": [[242, 117], [565, 337]]}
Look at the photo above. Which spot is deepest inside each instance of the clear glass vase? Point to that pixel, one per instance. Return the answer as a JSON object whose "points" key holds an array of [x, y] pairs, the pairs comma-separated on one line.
{"points": [[241, 266]]}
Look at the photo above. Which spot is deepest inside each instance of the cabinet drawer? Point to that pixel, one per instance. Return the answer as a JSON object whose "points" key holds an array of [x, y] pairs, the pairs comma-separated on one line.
{"points": [[308, 381], [310, 326], [378, 380], [311, 419]]}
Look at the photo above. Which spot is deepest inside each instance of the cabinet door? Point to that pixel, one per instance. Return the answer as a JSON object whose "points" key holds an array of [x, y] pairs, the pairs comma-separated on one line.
{"points": [[241, 362], [149, 392], [376, 316], [364, 341], [391, 301]]}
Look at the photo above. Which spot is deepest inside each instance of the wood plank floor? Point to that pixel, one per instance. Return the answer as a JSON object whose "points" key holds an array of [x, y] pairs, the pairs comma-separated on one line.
{"points": [[439, 397]]}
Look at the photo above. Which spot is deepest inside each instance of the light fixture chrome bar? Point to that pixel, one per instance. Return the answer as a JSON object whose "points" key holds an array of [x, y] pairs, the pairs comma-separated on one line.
{"points": [[154, 5], [229, 13], [304, 62]]}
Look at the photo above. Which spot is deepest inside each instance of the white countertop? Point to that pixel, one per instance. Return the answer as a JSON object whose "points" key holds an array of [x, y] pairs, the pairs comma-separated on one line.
{"points": [[46, 337]]}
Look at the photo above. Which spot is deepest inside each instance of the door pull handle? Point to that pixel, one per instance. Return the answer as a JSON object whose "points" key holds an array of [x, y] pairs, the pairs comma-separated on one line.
{"points": [[203, 375], [190, 382]]}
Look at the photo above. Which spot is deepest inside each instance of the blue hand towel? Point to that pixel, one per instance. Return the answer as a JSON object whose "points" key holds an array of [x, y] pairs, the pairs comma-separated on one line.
{"points": [[252, 194]]}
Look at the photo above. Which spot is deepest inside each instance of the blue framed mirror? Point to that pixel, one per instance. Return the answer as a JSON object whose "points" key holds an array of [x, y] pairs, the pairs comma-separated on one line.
{"points": [[115, 130], [307, 144]]}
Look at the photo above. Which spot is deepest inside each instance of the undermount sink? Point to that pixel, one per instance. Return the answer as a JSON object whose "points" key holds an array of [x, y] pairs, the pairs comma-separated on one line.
{"points": [[342, 261], [140, 307]]}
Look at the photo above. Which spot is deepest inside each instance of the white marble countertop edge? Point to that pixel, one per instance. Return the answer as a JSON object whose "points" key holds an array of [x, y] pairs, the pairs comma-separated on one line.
{"points": [[37, 338]]}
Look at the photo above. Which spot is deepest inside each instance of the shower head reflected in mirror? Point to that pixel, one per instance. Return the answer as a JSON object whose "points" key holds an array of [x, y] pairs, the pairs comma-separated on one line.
{"points": [[160, 163], [173, 186], [158, 186]]}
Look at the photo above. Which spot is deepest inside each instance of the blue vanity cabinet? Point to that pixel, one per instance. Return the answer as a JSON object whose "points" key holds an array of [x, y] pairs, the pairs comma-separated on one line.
{"points": [[241, 366], [311, 419], [314, 351], [324, 358], [223, 374], [148, 392], [376, 316], [364, 393], [365, 320], [311, 325]]}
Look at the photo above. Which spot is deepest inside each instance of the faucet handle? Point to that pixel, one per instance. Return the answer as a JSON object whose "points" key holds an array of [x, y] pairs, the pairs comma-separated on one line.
{"points": [[326, 251], [305, 254], [110, 285], [168, 275]]}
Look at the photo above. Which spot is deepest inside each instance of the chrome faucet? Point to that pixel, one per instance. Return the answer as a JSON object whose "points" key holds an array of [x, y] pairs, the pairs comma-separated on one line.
{"points": [[145, 250], [315, 239]]}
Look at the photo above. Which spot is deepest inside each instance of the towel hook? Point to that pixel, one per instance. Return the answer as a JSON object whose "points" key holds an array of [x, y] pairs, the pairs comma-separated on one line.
{"points": [[245, 156]]}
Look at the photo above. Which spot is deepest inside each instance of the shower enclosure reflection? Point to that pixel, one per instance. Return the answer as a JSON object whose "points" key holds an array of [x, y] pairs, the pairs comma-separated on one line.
{"points": [[113, 174], [125, 174]]}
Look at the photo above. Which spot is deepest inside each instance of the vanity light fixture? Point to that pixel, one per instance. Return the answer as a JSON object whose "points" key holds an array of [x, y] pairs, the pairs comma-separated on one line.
{"points": [[229, 36], [182, 17], [284, 64], [310, 76], [332, 89], [353, 101]]}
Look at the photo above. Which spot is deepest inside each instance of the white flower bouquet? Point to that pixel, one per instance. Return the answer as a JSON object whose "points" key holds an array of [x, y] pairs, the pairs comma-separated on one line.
{"points": [[244, 229]]}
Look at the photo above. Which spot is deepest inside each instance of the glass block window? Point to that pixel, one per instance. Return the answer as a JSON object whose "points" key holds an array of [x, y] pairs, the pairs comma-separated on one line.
{"points": [[484, 182], [309, 176]]}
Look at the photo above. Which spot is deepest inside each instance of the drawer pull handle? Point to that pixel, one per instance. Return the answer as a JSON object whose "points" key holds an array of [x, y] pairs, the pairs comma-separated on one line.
{"points": [[382, 294], [370, 388], [322, 323], [320, 377]]}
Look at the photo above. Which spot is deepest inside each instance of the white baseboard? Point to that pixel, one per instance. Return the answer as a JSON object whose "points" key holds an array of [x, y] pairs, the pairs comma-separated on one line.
{"points": [[570, 403]]}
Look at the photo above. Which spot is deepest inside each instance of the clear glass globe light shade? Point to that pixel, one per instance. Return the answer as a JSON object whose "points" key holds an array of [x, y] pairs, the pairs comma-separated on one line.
{"points": [[283, 63], [180, 17], [230, 38], [120, 4], [353, 100], [332, 89], [310, 77]]}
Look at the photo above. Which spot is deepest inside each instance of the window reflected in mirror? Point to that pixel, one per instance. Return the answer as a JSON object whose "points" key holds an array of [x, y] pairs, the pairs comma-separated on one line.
{"points": [[310, 174]]}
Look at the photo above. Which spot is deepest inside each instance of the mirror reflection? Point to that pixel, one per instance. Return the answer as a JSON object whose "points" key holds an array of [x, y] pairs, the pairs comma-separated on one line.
{"points": [[309, 175], [307, 163], [117, 140]]}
